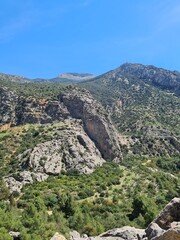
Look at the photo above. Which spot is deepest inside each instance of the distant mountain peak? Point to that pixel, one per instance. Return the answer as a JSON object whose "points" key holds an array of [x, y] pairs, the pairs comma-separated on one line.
{"points": [[133, 66], [163, 78], [76, 76]]}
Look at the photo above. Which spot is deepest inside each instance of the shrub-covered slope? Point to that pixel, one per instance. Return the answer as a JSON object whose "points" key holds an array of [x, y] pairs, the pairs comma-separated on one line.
{"points": [[143, 103]]}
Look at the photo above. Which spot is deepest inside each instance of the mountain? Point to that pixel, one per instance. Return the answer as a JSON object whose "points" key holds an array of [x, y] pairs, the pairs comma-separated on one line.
{"points": [[158, 77], [72, 77], [98, 155], [78, 145], [65, 78], [144, 105], [13, 78]]}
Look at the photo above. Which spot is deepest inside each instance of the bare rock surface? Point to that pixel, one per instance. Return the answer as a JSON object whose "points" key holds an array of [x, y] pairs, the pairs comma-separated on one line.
{"points": [[15, 235], [126, 232], [72, 149], [58, 236], [73, 103], [153, 230], [166, 225], [8, 103], [97, 123], [171, 234], [156, 76], [169, 214]]}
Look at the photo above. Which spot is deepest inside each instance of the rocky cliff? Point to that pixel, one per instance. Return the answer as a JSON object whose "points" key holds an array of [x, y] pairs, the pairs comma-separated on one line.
{"points": [[70, 149], [74, 103], [97, 124], [144, 105], [83, 144]]}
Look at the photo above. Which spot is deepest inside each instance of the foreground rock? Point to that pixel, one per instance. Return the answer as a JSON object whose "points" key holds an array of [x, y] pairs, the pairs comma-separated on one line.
{"points": [[171, 234], [167, 224], [153, 230], [126, 232], [170, 214]]}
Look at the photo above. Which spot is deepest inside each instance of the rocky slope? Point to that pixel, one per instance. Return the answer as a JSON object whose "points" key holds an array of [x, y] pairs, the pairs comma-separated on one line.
{"points": [[13, 78], [81, 146], [55, 132], [70, 149], [96, 122], [157, 76], [144, 105], [73, 103]]}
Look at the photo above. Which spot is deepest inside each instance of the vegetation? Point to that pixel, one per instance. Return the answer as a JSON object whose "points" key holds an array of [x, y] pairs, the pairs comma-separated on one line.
{"points": [[146, 115], [35, 89], [113, 196]]}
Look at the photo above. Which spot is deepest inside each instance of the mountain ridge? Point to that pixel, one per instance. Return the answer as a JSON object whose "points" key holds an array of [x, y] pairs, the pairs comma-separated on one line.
{"points": [[98, 155]]}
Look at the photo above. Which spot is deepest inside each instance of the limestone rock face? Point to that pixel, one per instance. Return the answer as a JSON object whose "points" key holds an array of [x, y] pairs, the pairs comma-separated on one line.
{"points": [[30, 110], [126, 232], [74, 235], [153, 230], [171, 213], [171, 234], [97, 124], [71, 150], [86, 144], [18, 110], [167, 224], [14, 186], [8, 103], [64, 153], [74, 103]]}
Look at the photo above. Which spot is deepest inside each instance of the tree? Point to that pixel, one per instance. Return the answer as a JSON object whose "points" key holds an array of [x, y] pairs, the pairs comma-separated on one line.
{"points": [[4, 191]]}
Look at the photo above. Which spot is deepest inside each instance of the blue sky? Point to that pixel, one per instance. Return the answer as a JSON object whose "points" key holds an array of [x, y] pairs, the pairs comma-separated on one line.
{"points": [[43, 38]]}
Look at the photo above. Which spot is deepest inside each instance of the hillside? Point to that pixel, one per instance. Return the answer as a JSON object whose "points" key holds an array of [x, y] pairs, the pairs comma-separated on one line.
{"points": [[13, 78], [88, 159], [143, 104]]}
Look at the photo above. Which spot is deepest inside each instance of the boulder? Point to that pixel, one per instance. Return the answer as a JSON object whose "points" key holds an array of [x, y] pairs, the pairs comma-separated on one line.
{"points": [[171, 213], [153, 230], [15, 235], [74, 235], [58, 236], [13, 184], [128, 233], [171, 234]]}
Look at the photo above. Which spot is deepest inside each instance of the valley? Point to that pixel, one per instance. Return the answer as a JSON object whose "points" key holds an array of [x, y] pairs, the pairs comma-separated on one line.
{"points": [[88, 153]]}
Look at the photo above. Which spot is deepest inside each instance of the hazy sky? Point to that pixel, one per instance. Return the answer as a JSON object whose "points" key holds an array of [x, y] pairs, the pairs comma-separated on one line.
{"points": [[43, 38]]}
